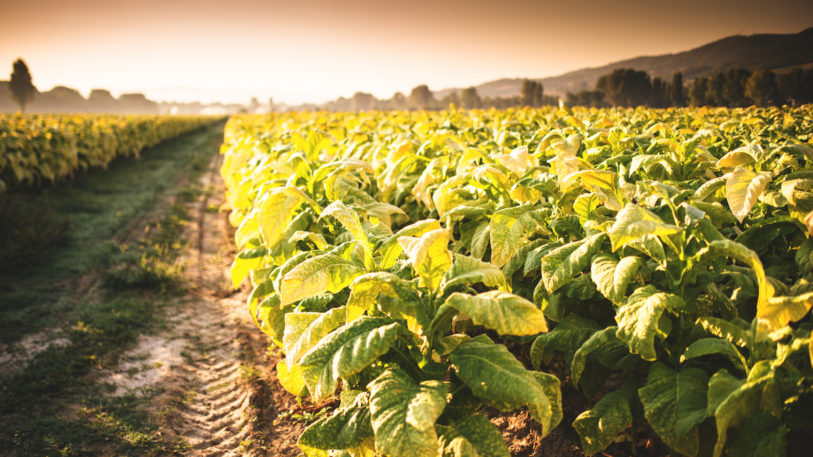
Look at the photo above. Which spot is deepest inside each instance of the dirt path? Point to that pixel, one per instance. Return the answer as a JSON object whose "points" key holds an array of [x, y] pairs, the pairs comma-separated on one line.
{"points": [[218, 391]]}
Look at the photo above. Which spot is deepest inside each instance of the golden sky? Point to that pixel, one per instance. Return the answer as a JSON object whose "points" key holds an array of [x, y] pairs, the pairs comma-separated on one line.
{"points": [[315, 50]]}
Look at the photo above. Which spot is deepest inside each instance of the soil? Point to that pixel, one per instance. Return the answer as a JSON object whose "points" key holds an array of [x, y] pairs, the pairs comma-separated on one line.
{"points": [[211, 365]]}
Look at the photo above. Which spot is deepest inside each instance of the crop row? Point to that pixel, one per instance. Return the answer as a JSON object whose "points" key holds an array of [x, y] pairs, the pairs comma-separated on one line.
{"points": [[50, 147], [657, 261]]}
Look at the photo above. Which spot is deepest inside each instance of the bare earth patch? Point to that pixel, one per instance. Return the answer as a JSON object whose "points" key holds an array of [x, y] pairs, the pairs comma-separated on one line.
{"points": [[217, 391]]}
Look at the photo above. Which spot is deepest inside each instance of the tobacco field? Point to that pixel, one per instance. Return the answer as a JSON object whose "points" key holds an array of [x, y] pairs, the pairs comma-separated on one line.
{"points": [[420, 266]]}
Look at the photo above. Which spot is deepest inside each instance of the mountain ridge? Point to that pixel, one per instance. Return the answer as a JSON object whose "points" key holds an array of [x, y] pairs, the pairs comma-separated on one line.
{"points": [[759, 51]]}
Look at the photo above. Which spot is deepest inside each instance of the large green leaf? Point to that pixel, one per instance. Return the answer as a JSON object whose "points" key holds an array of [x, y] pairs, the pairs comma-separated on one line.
{"points": [[392, 295], [509, 228], [639, 318], [244, 263], [348, 427], [346, 351], [563, 263], [674, 403], [304, 330], [612, 276], [474, 436], [390, 250], [323, 273], [634, 222], [276, 210], [601, 342], [469, 270], [495, 376], [732, 400], [709, 346], [566, 337], [429, 256], [403, 414], [599, 426], [772, 317], [350, 220], [504, 312], [742, 189]]}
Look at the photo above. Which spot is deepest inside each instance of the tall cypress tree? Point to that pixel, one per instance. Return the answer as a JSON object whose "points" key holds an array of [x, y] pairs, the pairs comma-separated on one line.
{"points": [[22, 90]]}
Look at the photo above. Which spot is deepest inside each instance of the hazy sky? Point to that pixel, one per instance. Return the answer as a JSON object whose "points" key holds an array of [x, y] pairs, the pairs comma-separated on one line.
{"points": [[314, 50]]}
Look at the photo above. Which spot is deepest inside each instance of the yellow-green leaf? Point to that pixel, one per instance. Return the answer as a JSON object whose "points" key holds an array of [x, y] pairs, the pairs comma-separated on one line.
{"points": [[634, 222], [323, 273], [429, 256], [742, 189], [504, 312]]}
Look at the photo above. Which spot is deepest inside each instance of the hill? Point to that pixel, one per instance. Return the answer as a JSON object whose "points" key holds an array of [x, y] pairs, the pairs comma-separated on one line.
{"points": [[761, 51]]}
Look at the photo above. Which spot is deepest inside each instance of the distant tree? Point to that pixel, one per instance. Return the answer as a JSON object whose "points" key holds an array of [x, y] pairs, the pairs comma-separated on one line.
{"points": [[136, 103], [398, 101], [101, 101], [734, 89], [625, 87], [592, 98], [61, 99], [659, 95], [469, 98], [532, 93], [271, 106], [452, 98], [362, 101], [698, 91], [677, 96], [421, 98], [715, 90], [761, 87], [253, 105], [796, 87], [22, 90]]}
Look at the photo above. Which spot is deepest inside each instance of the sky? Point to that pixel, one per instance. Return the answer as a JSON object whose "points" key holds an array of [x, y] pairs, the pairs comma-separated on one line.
{"points": [[315, 50]]}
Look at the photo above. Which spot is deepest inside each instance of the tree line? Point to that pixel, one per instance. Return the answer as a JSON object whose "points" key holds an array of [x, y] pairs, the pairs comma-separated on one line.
{"points": [[731, 88]]}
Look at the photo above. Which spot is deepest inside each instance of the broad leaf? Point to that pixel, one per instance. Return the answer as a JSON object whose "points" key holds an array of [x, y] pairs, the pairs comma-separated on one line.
{"points": [[275, 212], [709, 346], [743, 188], [504, 312], [639, 317], [563, 263], [601, 342], [495, 376], [323, 273], [244, 262], [349, 426], [346, 351], [474, 436], [290, 377], [732, 400], [509, 228], [566, 337], [429, 256], [600, 425], [612, 276], [469, 270], [391, 295], [634, 222], [403, 414], [674, 403], [304, 330], [391, 249]]}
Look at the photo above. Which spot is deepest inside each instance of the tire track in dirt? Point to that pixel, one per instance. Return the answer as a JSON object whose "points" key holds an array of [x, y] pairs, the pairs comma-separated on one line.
{"points": [[218, 390]]}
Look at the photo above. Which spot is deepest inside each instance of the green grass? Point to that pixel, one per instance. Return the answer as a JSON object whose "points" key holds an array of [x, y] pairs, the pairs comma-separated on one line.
{"points": [[52, 406], [52, 236]]}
